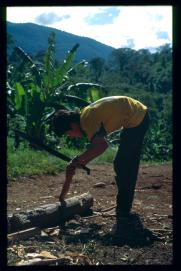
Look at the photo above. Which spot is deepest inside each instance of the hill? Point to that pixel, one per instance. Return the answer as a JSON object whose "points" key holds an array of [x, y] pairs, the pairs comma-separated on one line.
{"points": [[33, 38]]}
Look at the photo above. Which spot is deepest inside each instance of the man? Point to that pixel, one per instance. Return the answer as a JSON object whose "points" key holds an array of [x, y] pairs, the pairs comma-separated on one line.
{"points": [[98, 120]]}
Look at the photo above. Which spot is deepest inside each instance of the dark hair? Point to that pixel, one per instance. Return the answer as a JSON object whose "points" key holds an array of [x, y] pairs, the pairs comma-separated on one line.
{"points": [[62, 120]]}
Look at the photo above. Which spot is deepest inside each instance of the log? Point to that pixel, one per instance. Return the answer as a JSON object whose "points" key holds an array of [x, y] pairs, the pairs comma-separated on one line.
{"points": [[51, 215]]}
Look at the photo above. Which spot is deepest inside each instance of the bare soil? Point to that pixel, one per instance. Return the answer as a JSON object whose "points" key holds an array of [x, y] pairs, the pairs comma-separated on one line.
{"points": [[88, 240]]}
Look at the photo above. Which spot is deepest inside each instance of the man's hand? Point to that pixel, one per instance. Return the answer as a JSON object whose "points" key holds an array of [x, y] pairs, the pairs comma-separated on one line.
{"points": [[65, 189], [70, 172]]}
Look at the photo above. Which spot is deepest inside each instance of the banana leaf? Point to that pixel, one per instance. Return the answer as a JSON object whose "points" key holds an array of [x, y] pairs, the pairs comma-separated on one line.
{"points": [[62, 71], [19, 93]]}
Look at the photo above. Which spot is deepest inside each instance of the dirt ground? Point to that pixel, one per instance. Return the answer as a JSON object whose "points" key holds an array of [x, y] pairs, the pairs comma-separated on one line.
{"points": [[88, 240]]}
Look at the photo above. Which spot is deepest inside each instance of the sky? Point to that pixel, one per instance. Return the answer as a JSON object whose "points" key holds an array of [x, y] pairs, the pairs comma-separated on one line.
{"points": [[135, 27]]}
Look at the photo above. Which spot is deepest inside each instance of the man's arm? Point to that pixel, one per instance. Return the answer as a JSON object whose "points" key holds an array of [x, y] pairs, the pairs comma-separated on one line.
{"points": [[66, 185], [96, 148]]}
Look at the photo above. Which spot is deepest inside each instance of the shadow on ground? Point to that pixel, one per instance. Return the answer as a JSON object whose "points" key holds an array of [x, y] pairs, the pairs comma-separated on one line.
{"points": [[132, 234]]}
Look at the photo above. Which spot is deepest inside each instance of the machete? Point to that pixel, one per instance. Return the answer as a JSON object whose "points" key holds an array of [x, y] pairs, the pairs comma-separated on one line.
{"points": [[47, 148]]}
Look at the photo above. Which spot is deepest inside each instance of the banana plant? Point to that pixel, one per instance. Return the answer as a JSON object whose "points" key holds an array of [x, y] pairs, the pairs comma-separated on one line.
{"points": [[42, 91]]}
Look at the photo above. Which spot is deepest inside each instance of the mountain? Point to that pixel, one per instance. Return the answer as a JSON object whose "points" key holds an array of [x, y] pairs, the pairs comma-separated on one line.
{"points": [[33, 38]]}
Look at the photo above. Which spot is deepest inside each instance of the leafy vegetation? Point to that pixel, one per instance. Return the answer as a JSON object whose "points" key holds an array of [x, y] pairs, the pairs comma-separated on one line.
{"points": [[36, 93], [37, 87]]}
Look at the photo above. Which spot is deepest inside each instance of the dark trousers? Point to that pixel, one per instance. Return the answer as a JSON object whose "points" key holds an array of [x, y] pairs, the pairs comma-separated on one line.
{"points": [[126, 165]]}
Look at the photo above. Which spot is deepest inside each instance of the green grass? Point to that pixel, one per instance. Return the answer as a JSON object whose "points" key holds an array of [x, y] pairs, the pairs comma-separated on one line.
{"points": [[26, 162], [29, 162], [109, 155], [155, 163]]}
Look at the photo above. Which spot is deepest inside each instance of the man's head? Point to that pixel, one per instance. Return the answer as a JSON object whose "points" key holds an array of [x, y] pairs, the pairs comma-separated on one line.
{"points": [[67, 122]]}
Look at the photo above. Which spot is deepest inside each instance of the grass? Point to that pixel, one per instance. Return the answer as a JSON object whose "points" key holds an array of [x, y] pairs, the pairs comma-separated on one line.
{"points": [[27, 162], [155, 163]]}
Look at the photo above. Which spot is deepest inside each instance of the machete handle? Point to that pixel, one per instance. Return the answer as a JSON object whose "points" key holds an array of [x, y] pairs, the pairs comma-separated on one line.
{"points": [[47, 148]]}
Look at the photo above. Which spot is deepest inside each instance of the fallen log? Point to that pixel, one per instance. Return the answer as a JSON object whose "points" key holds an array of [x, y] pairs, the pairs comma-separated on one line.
{"points": [[51, 215]]}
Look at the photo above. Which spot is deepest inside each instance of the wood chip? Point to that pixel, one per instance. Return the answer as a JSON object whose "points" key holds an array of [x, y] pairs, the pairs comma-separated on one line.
{"points": [[47, 254], [39, 261], [108, 209], [100, 184]]}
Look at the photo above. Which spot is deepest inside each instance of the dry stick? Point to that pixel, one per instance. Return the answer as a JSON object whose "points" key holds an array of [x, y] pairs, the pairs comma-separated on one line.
{"points": [[161, 215], [100, 214], [108, 209], [107, 215], [161, 231], [92, 216], [24, 234]]}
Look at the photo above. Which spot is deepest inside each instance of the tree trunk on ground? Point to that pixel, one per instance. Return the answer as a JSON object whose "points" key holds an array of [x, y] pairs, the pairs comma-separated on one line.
{"points": [[51, 215]]}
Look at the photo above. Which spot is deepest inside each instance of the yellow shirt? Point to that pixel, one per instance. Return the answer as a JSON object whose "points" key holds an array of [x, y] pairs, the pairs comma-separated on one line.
{"points": [[113, 113]]}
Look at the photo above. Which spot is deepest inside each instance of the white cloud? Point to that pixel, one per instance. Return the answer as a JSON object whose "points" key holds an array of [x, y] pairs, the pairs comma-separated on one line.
{"points": [[104, 17], [49, 18], [137, 23]]}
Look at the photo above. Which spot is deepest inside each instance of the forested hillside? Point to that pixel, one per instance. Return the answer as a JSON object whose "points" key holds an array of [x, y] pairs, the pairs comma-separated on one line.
{"points": [[33, 39], [37, 86]]}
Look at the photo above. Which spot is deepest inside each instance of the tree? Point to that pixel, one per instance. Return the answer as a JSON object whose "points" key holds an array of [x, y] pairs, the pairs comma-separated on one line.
{"points": [[121, 57], [96, 67], [161, 70], [10, 45]]}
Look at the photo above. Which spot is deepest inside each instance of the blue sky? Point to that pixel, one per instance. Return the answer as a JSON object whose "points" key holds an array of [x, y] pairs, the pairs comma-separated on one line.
{"points": [[135, 27]]}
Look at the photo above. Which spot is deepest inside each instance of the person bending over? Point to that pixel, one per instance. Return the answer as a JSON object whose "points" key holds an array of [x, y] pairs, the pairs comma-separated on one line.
{"points": [[96, 121]]}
